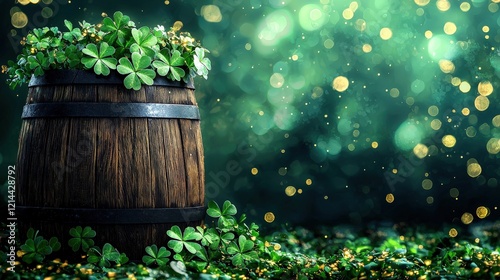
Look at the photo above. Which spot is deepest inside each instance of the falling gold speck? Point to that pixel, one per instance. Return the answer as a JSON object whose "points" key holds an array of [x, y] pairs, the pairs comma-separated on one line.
{"points": [[481, 103], [465, 6], [446, 66], [395, 171], [374, 144], [482, 212], [427, 184], [367, 48], [454, 192], [420, 150], [474, 169], [493, 146], [456, 81], [19, 19], [486, 29], [290, 190], [211, 13], [443, 5], [269, 217], [340, 83], [255, 171], [467, 218], [436, 124], [385, 33], [276, 246], [449, 141], [465, 111], [464, 87], [450, 28], [422, 2], [299, 191], [389, 198], [348, 14], [428, 34], [309, 182], [453, 232], [485, 88]]}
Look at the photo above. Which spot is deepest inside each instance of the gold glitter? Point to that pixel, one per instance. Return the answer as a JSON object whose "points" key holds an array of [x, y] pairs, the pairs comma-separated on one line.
{"points": [[482, 212], [290, 190], [493, 146], [485, 88], [367, 48], [474, 169], [465, 6], [254, 171], [211, 13], [428, 34], [374, 144], [19, 20], [309, 182], [453, 232], [496, 121], [446, 66], [436, 124], [340, 83], [422, 2], [465, 111], [467, 218], [450, 28], [269, 217], [420, 150], [464, 87], [427, 184], [389, 198], [443, 5], [449, 141], [481, 103], [433, 110], [348, 14], [385, 33]]}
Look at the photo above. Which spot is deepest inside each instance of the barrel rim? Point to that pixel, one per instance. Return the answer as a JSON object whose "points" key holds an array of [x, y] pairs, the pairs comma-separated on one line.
{"points": [[85, 77]]}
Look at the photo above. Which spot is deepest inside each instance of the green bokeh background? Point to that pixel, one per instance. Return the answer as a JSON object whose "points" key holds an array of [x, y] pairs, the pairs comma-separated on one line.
{"points": [[270, 104]]}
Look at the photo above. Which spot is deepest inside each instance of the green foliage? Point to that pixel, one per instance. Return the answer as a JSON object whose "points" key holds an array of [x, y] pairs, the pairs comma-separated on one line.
{"points": [[242, 251], [36, 248], [136, 71], [142, 52], [82, 238], [103, 257], [180, 241], [155, 255]]}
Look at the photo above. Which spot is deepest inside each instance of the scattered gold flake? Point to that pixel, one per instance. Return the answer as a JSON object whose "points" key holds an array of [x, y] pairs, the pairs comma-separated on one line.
{"points": [[420, 150], [433, 110], [367, 48], [465, 6], [299, 191], [453, 232], [389, 198], [427, 184], [269, 217], [19, 19], [177, 25], [485, 88], [446, 66], [428, 34], [465, 111], [374, 144], [474, 169], [436, 124], [348, 14], [255, 171], [485, 29], [467, 218], [422, 2], [290, 190], [456, 81], [493, 146], [450, 28], [496, 121], [309, 182], [443, 5], [276, 246], [482, 212], [340, 83], [211, 13], [385, 33], [481, 103], [464, 87], [449, 141]]}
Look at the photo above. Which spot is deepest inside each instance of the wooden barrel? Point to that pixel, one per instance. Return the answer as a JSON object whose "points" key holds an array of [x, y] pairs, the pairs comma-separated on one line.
{"points": [[128, 163]]}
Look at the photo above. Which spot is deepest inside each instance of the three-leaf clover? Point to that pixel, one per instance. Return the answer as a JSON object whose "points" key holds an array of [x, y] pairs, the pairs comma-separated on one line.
{"points": [[118, 28], [70, 55], [226, 219], [136, 71], [155, 255], [180, 241], [242, 251], [143, 41], [169, 65], [38, 63], [104, 257], [81, 238], [36, 247], [101, 60], [201, 63]]}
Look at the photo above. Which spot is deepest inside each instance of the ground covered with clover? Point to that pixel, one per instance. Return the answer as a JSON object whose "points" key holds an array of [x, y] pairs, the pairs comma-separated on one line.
{"points": [[228, 248]]}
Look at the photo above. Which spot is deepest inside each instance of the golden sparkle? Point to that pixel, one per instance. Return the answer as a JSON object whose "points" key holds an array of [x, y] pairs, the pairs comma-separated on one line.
{"points": [[467, 218], [449, 141], [474, 169], [269, 217], [385, 33], [340, 83], [420, 150], [290, 190], [482, 212], [481, 103], [389, 198], [485, 88], [453, 232]]}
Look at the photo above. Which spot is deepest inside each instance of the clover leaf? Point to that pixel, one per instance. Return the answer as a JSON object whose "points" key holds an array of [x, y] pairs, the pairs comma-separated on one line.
{"points": [[36, 247], [201, 63], [105, 257], [226, 219], [82, 237], [168, 65], [135, 71], [69, 56], [242, 251], [143, 41], [180, 241], [155, 255], [38, 63], [101, 60], [118, 28]]}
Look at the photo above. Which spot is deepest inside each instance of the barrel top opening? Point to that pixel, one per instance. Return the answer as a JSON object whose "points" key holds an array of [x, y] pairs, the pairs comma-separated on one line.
{"points": [[70, 76]]}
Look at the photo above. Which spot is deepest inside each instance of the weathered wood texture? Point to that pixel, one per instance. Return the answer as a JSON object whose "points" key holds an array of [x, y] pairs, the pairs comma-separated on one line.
{"points": [[109, 163]]}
